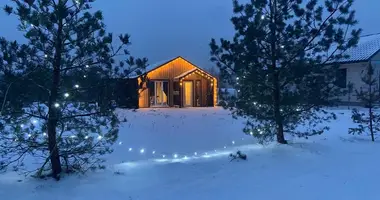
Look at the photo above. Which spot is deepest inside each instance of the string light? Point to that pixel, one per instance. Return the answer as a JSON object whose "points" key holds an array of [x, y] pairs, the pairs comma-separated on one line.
{"points": [[262, 16], [100, 137], [56, 105], [86, 137], [76, 86], [130, 149], [120, 143], [233, 142], [44, 134], [175, 155], [66, 94], [46, 55], [87, 66], [195, 153], [153, 152], [142, 150], [34, 121]]}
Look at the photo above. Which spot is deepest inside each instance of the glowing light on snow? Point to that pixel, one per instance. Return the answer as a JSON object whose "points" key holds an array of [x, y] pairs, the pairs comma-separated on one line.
{"points": [[163, 156], [73, 136], [130, 149], [233, 142], [195, 153], [34, 121], [44, 134], [251, 133], [29, 135], [175, 155], [120, 143], [185, 157], [22, 125], [224, 147], [86, 137], [142, 150], [153, 152], [100, 137], [56, 105], [66, 94]]}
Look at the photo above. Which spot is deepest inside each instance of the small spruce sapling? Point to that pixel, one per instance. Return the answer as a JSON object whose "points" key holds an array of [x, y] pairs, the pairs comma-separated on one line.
{"points": [[238, 156], [369, 95]]}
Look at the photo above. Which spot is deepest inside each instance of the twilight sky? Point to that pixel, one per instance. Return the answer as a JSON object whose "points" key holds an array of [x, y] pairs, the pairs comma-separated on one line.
{"points": [[162, 29]]}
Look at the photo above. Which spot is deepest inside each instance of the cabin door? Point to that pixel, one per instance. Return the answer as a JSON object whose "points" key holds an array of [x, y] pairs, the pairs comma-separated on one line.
{"points": [[188, 93]]}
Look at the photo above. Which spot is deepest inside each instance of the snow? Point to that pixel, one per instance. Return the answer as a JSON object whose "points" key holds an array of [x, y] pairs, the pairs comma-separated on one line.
{"points": [[331, 166], [368, 45]]}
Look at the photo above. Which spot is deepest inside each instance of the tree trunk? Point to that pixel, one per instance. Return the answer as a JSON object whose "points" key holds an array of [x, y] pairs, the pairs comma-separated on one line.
{"points": [[275, 76], [370, 124], [277, 110], [53, 111]]}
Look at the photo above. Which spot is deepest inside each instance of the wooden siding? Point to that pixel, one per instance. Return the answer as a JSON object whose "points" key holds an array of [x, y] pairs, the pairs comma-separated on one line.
{"points": [[143, 95]]}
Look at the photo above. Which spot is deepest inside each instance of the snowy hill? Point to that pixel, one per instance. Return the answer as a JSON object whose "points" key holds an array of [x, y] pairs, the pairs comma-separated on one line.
{"points": [[170, 154]]}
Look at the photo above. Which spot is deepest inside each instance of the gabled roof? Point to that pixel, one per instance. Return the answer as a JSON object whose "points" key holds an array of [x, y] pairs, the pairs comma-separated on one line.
{"points": [[185, 73], [157, 65], [367, 47]]}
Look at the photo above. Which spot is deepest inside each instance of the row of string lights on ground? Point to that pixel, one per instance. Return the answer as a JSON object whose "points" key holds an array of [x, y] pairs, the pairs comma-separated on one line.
{"points": [[154, 153]]}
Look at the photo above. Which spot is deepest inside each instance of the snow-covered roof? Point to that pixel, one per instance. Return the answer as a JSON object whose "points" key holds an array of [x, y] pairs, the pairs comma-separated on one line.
{"points": [[368, 46], [154, 66], [185, 73]]}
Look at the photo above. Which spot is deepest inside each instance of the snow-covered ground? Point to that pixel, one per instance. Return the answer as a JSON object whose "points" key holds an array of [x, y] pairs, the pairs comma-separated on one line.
{"points": [[331, 166]]}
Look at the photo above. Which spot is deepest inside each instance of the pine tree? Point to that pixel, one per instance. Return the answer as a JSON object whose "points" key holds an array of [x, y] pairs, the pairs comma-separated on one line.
{"points": [[369, 95], [56, 108], [278, 60]]}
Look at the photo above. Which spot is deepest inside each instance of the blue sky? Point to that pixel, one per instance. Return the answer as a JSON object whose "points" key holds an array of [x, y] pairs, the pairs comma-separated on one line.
{"points": [[161, 29]]}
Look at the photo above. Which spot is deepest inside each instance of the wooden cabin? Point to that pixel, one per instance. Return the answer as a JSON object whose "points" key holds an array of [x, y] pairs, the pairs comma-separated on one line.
{"points": [[176, 83]]}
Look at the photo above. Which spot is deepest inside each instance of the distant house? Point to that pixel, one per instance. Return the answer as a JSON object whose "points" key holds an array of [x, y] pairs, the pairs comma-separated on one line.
{"points": [[176, 83], [351, 68]]}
